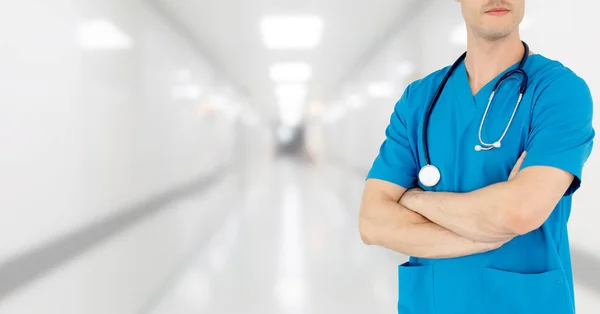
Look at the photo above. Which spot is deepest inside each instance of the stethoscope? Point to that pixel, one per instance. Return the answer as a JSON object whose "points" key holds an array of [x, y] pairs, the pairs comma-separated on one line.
{"points": [[430, 175]]}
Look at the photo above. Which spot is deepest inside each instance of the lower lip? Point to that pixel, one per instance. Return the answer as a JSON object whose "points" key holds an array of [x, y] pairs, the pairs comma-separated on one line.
{"points": [[497, 13]]}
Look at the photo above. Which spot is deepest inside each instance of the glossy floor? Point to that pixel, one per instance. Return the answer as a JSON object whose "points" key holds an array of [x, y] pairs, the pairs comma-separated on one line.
{"points": [[292, 247]]}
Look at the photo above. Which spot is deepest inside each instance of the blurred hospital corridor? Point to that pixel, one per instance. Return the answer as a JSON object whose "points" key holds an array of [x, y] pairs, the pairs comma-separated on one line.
{"points": [[289, 246], [209, 156]]}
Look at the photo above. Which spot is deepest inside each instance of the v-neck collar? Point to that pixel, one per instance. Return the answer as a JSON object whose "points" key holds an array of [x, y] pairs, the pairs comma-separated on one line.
{"points": [[467, 105], [462, 84]]}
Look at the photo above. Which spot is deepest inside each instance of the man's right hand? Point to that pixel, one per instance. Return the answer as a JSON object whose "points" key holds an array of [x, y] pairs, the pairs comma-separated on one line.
{"points": [[517, 166]]}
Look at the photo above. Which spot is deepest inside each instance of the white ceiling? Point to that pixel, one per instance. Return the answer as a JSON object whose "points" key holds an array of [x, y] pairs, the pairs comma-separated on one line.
{"points": [[228, 33]]}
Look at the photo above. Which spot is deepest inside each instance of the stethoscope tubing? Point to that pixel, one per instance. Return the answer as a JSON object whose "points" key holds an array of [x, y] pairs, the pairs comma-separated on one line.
{"points": [[484, 146]]}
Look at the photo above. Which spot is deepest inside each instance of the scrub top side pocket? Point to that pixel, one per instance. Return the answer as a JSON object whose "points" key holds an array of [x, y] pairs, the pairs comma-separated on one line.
{"points": [[415, 285], [517, 293]]}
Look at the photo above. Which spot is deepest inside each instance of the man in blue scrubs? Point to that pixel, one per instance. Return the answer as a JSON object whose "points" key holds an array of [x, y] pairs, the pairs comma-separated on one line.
{"points": [[491, 237]]}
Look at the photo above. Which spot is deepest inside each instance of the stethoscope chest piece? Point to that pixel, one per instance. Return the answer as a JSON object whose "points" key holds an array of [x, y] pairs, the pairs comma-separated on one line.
{"points": [[429, 176]]}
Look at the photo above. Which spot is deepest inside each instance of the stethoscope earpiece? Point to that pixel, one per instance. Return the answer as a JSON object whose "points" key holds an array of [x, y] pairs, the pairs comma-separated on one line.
{"points": [[479, 148]]}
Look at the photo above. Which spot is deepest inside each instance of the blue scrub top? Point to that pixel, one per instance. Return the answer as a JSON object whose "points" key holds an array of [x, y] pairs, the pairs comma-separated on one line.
{"points": [[532, 273]]}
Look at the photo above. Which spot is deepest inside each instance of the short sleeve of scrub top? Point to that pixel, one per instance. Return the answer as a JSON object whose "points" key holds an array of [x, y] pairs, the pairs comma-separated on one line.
{"points": [[395, 162], [561, 131]]}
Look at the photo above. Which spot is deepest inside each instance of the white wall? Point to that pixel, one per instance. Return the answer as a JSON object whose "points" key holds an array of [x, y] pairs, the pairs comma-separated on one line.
{"points": [[84, 134], [556, 29]]}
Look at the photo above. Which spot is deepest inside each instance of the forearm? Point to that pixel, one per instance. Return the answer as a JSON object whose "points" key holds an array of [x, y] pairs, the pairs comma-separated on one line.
{"points": [[399, 229], [430, 240], [482, 215]]}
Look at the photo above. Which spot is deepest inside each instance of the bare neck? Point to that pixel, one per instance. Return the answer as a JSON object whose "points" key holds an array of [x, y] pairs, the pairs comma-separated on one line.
{"points": [[487, 59]]}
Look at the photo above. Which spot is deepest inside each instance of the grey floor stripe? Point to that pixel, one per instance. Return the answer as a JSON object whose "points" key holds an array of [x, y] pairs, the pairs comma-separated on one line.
{"points": [[26, 268]]}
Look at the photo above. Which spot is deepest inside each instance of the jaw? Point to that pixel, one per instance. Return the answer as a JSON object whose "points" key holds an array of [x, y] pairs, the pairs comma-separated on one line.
{"points": [[495, 28]]}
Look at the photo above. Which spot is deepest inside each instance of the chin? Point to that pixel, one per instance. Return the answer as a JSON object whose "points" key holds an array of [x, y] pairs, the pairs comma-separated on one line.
{"points": [[496, 33]]}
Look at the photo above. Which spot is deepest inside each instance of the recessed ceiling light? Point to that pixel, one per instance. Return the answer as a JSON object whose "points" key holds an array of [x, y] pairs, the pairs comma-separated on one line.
{"points": [[291, 32], [290, 72]]}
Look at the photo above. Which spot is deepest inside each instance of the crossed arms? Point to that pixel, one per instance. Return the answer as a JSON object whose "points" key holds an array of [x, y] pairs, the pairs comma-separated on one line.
{"points": [[446, 225]]}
